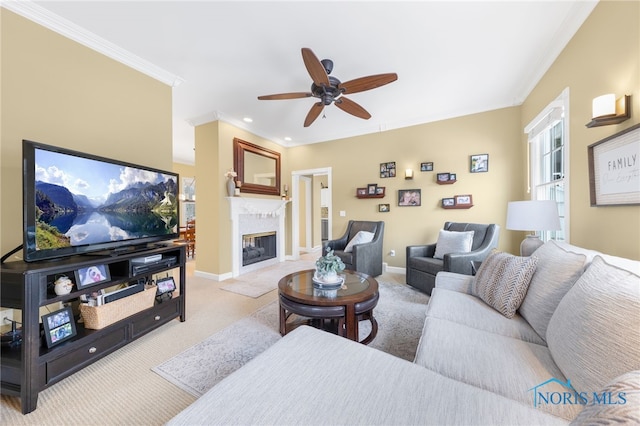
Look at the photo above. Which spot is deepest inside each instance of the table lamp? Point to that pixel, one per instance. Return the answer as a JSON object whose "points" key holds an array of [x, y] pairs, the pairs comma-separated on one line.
{"points": [[534, 215]]}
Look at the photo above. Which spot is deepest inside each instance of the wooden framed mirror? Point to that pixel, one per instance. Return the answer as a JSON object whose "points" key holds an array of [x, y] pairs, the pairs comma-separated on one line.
{"points": [[258, 168]]}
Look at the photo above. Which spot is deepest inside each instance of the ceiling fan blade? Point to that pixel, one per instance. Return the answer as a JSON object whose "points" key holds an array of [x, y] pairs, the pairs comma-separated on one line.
{"points": [[294, 95], [314, 112], [366, 83], [315, 68], [347, 105]]}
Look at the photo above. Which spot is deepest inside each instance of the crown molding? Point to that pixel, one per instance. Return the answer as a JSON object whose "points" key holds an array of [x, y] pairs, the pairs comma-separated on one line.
{"points": [[68, 29]]}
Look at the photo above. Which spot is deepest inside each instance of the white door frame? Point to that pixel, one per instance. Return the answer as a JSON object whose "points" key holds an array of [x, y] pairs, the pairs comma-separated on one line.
{"points": [[295, 205]]}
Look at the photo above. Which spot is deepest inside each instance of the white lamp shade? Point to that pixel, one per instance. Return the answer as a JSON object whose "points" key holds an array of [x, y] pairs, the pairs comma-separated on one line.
{"points": [[534, 215], [604, 105]]}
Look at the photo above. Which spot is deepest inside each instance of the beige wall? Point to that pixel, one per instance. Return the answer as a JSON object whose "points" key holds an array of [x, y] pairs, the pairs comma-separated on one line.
{"points": [[58, 92], [448, 144], [214, 156], [603, 57]]}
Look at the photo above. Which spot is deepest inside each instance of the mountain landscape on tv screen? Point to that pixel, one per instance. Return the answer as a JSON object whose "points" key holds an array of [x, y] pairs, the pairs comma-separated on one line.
{"points": [[141, 210]]}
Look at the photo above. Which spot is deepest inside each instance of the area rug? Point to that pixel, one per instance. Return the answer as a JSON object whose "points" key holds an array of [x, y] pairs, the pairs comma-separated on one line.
{"points": [[400, 314], [255, 284]]}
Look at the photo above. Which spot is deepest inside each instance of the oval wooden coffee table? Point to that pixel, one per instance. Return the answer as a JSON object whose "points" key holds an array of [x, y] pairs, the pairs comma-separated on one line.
{"points": [[347, 305]]}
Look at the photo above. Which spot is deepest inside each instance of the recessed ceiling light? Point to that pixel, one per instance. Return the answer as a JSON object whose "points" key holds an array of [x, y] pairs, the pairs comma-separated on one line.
{"points": [[287, 138], [248, 120]]}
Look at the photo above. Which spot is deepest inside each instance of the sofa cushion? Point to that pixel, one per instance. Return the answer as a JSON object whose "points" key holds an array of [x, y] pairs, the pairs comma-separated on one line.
{"points": [[499, 364], [361, 237], [453, 242], [454, 281], [619, 411], [503, 279], [557, 270], [471, 311], [311, 377], [594, 334]]}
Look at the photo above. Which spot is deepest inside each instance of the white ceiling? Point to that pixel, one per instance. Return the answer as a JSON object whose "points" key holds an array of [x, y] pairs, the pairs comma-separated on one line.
{"points": [[452, 58]]}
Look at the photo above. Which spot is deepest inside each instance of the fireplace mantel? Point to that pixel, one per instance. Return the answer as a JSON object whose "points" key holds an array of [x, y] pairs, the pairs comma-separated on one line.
{"points": [[263, 214]]}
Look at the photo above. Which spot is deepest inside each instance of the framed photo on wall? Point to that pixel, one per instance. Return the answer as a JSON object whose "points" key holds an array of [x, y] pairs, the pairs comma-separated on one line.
{"points": [[409, 197], [384, 208], [388, 169], [479, 163], [426, 167]]}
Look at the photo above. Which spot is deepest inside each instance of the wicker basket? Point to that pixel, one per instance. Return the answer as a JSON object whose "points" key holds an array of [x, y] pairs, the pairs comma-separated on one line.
{"points": [[97, 317]]}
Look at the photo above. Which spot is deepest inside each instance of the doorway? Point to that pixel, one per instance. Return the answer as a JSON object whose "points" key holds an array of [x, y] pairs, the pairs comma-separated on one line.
{"points": [[306, 216]]}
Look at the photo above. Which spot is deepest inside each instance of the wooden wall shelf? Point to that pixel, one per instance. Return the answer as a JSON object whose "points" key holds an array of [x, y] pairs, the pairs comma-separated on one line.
{"points": [[445, 182], [465, 206], [370, 196]]}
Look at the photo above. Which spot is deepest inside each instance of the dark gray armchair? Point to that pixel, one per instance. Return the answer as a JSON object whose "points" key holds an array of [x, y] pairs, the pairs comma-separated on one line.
{"points": [[422, 267], [365, 258]]}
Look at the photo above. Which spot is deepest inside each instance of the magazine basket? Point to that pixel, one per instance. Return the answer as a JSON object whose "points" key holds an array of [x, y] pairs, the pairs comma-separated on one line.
{"points": [[97, 317]]}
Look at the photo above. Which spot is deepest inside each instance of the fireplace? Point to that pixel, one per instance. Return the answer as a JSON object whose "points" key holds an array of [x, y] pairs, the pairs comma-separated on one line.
{"points": [[258, 247], [251, 217]]}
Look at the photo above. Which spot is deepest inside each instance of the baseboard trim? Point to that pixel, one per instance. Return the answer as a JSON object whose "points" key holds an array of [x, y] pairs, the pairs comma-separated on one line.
{"points": [[214, 277]]}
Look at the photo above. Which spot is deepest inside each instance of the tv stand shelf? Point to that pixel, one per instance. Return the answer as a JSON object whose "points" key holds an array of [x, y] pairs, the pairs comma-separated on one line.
{"points": [[30, 367]]}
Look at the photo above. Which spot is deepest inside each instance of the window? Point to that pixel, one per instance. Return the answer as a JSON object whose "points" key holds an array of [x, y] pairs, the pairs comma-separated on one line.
{"points": [[549, 160]]}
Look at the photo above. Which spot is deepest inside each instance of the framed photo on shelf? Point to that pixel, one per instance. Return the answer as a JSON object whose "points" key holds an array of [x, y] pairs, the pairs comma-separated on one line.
{"points": [[614, 173], [59, 326], [92, 275], [452, 176], [361, 191], [409, 197], [380, 190], [384, 208], [479, 163], [426, 167], [372, 188], [463, 200], [388, 169], [443, 177], [448, 202]]}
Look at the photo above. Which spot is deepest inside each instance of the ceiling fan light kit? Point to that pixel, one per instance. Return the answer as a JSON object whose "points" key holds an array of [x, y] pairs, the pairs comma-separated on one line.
{"points": [[329, 89]]}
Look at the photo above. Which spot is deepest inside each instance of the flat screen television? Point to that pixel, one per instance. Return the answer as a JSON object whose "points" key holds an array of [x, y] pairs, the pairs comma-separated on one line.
{"points": [[79, 203]]}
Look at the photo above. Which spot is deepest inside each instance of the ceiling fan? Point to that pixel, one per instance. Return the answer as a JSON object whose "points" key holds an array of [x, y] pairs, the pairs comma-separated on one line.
{"points": [[330, 90]]}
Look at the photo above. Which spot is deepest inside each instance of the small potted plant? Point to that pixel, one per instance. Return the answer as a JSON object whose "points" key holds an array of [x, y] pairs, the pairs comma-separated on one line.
{"points": [[328, 267]]}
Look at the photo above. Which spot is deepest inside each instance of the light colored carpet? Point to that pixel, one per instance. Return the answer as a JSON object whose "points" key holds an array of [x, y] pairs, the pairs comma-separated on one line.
{"points": [[265, 280], [400, 314]]}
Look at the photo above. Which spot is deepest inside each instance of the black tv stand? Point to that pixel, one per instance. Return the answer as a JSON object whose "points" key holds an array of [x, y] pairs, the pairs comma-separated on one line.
{"points": [[30, 367]]}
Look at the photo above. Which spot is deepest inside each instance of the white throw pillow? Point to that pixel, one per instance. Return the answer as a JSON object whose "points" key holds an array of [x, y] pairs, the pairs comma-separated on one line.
{"points": [[453, 242], [360, 238], [503, 279], [593, 333]]}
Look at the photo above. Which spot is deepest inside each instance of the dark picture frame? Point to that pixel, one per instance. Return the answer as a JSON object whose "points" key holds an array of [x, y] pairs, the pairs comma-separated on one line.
{"points": [[92, 275], [479, 163], [380, 190], [388, 169], [443, 177], [452, 176], [384, 208], [372, 188], [409, 197], [426, 167], [361, 191], [614, 179], [165, 285], [59, 326], [448, 202]]}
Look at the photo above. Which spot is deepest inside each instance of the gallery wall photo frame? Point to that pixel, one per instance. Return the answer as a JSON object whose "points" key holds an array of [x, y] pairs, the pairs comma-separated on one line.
{"points": [[59, 326], [614, 169], [92, 275], [479, 163], [388, 169], [384, 208], [426, 167], [409, 197]]}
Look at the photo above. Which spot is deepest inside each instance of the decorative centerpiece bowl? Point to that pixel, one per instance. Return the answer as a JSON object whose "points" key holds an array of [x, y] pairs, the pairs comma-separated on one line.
{"points": [[327, 269]]}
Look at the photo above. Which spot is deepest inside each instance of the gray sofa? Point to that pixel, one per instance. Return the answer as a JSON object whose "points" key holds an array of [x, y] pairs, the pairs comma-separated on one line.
{"points": [[366, 257], [570, 353], [422, 266]]}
